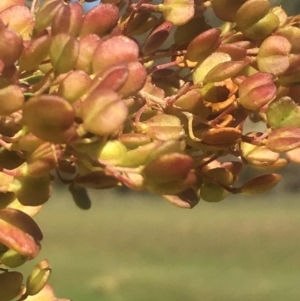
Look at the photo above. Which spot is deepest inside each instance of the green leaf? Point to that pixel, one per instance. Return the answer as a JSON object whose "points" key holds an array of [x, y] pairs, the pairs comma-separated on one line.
{"points": [[283, 112]]}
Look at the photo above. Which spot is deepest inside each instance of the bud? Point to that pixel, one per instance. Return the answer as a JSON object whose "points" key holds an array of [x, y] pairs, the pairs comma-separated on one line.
{"points": [[38, 278]]}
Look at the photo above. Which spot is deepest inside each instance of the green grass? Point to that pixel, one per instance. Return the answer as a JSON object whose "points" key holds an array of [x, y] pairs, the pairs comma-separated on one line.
{"points": [[135, 248]]}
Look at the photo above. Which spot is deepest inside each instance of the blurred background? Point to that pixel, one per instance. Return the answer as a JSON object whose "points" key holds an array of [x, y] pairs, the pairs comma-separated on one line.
{"points": [[136, 247]]}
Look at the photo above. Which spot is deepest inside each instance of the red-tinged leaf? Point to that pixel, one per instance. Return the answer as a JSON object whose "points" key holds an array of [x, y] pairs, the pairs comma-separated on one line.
{"points": [[18, 240], [260, 184], [19, 19], [68, 19], [157, 37], [169, 167], [10, 285], [114, 50], [236, 52], [203, 44], [46, 13], [273, 55], [284, 139], [136, 79], [113, 77], [225, 70], [283, 112], [74, 86], [49, 117], [103, 112], [87, 46], [11, 45], [256, 91], [35, 52], [11, 99], [63, 53], [100, 20], [22, 221], [178, 12], [4, 4]]}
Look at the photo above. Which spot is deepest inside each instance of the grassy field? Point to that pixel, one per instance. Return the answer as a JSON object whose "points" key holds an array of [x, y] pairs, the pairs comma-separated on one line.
{"points": [[134, 248]]}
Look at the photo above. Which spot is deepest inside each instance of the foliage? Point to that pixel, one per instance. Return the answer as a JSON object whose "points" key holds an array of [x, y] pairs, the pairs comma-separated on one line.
{"points": [[104, 99]]}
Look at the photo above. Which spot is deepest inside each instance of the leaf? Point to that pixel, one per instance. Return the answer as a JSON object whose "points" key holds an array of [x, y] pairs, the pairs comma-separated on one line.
{"points": [[10, 285], [178, 12], [68, 19], [203, 45], [11, 45], [50, 118], [35, 52], [225, 70], [80, 196], [100, 20], [186, 199], [283, 112], [14, 233], [222, 136], [4, 4], [19, 19], [256, 91], [63, 52], [202, 69], [226, 9], [103, 112], [157, 37], [46, 13], [260, 184], [273, 55], [87, 46], [251, 12], [74, 86], [11, 99], [168, 167], [114, 50], [284, 139]]}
